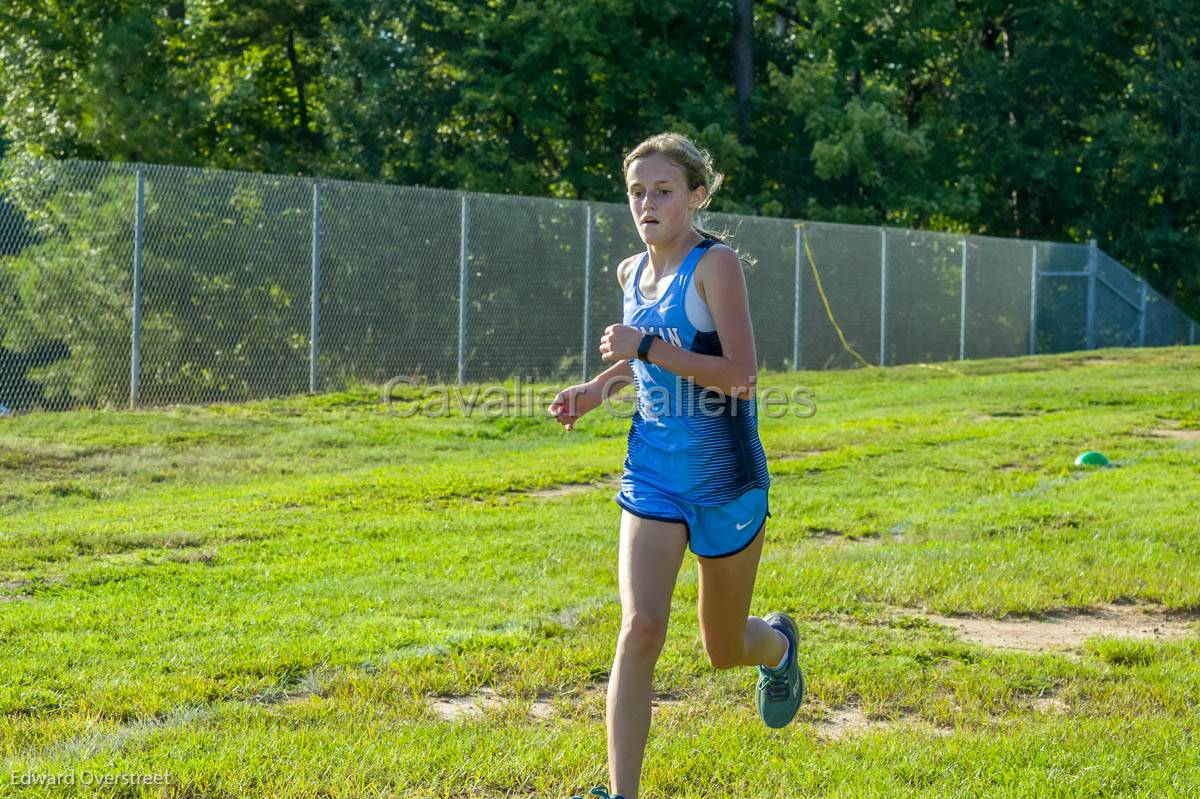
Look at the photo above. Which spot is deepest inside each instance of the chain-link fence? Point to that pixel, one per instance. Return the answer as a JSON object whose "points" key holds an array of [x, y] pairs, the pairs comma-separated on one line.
{"points": [[154, 285]]}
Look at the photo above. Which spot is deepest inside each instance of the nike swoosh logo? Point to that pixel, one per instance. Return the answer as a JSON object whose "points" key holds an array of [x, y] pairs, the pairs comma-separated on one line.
{"points": [[744, 524]]}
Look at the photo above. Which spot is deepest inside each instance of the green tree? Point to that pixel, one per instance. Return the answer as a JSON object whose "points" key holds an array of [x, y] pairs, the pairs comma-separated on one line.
{"points": [[1052, 119]]}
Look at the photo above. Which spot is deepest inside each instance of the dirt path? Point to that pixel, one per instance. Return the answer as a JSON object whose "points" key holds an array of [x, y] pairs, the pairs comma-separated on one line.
{"points": [[1064, 631]]}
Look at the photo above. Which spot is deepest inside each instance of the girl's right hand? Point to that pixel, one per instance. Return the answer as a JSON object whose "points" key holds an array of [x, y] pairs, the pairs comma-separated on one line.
{"points": [[572, 403]]}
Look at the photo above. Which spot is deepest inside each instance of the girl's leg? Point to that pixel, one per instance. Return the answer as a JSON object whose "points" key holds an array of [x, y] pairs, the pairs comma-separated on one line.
{"points": [[651, 553], [732, 637]]}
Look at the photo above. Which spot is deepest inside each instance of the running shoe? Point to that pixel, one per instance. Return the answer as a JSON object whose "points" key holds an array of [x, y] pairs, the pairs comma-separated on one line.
{"points": [[780, 693]]}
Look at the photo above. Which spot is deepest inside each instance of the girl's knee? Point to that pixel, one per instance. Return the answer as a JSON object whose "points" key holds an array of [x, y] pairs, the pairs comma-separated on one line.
{"points": [[643, 634]]}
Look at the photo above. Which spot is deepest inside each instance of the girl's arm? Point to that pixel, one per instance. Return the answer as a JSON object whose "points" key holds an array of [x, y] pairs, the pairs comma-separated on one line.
{"points": [[572, 403], [612, 379], [722, 285]]}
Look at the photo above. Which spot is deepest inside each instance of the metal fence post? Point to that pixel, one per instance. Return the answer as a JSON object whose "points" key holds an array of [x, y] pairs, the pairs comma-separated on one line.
{"points": [[883, 285], [1092, 267], [587, 296], [796, 311], [1142, 320], [135, 360], [1192, 333], [314, 322], [464, 232], [1033, 297], [962, 311]]}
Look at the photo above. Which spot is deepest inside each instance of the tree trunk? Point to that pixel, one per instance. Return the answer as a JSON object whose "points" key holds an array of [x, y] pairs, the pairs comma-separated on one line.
{"points": [[291, 53], [743, 63], [1009, 26]]}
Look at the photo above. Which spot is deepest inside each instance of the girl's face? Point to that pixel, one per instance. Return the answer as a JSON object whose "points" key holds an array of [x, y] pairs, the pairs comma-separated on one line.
{"points": [[659, 199]]}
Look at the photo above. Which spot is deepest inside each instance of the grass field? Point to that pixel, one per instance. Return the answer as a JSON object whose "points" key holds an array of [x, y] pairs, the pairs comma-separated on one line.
{"points": [[290, 597]]}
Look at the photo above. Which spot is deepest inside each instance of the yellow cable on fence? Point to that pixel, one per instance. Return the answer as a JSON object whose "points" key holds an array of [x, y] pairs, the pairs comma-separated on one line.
{"points": [[828, 311]]}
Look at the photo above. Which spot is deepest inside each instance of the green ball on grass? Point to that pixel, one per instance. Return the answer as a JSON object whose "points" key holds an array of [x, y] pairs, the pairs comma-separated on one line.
{"points": [[1091, 458]]}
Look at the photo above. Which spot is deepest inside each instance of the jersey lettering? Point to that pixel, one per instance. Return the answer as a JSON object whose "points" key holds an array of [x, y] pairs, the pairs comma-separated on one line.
{"points": [[670, 334]]}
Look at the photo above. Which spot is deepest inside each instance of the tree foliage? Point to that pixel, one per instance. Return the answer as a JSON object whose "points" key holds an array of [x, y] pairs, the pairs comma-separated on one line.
{"points": [[1051, 119]]}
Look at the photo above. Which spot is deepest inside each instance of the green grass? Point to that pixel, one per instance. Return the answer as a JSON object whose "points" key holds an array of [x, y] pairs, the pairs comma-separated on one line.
{"points": [[261, 599]]}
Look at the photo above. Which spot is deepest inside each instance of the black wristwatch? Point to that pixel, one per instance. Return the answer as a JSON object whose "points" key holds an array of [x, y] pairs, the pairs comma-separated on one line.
{"points": [[644, 347]]}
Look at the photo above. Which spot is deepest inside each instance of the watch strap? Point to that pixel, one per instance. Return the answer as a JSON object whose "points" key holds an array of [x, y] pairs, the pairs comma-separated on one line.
{"points": [[644, 348]]}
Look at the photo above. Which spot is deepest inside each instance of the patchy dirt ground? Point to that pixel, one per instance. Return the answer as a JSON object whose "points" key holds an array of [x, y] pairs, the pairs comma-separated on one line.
{"points": [[824, 536], [836, 723], [571, 489], [473, 706], [1066, 631], [1179, 434], [848, 721], [1176, 429]]}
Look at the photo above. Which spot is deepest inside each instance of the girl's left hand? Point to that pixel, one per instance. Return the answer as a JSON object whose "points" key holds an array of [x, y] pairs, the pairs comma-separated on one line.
{"points": [[619, 343]]}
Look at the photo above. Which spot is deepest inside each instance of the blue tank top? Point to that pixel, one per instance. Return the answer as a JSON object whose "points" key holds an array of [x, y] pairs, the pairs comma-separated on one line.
{"points": [[694, 443]]}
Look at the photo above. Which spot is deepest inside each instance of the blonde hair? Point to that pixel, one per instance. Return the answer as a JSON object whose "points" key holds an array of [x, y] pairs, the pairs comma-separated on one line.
{"points": [[697, 167]]}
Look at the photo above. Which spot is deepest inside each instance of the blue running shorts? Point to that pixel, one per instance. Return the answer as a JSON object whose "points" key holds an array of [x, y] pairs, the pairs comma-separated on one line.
{"points": [[713, 532]]}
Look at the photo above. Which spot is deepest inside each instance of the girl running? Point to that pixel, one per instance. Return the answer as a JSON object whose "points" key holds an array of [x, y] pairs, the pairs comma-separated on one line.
{"points": [[695, 475]]}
